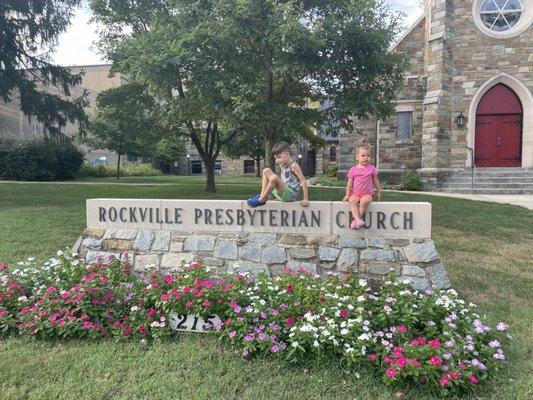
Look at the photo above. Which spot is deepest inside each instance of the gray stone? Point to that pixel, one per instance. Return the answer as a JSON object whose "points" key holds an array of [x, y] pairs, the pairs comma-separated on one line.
{"points": [[274, 255], [77, 245], [263, 238], [226, 249], [125, 234], [296, 265], [439, 277], [377, 242], [144, 260], [92, 256], [380, 268], [421, 252], [250, 252], [212, 262], [399, 242], [91, 243], [199, 243], [246, 266], [143, 241], [377, 255], [176, 260], [292, 240], [352, 241], [302, 253], [347, 260], [326, 253], [322, 239], [176, 247], [162, 241], [416, 283], [413, 270]]}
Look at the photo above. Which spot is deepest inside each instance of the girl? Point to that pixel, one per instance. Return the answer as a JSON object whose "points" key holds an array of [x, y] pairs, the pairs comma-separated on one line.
{"points": [[361, 178]]}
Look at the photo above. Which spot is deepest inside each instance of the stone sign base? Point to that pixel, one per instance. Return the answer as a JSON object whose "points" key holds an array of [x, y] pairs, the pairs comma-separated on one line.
{"points": [[371, 258]]}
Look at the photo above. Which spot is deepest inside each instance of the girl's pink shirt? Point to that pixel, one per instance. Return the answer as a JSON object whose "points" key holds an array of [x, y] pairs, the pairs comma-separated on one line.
{"points": [[362, 179]]}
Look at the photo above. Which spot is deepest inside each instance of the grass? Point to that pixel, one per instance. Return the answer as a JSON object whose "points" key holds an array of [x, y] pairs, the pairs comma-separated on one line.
{"points": [[487, 249]]}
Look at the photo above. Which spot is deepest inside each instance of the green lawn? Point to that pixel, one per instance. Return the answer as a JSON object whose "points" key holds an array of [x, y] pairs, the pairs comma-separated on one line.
{"points": [[487, 249]]}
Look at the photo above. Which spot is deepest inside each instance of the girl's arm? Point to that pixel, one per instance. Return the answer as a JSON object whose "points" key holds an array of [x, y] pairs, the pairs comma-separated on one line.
{"points": [[377, 184], [348, 189]]}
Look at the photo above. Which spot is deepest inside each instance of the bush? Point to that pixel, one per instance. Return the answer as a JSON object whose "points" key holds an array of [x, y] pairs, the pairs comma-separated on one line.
{"points": [[410, 180], [101, 171], [332, 172], [325, 181], [38, 160], [410, 338]]}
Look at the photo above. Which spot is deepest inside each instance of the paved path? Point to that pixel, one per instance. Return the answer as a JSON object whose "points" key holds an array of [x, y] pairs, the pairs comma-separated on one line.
{"points": [[522, 200]]}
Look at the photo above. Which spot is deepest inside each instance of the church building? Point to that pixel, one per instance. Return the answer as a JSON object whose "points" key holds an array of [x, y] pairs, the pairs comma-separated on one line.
{"points": [[466, 104]]}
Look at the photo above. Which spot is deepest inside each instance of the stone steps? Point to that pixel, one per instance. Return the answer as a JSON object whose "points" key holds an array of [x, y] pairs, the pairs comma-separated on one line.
{"points": [[491, 181]]}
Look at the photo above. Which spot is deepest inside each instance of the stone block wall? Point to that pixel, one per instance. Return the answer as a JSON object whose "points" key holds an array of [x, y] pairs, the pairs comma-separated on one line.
{"points": [[372, 258]]}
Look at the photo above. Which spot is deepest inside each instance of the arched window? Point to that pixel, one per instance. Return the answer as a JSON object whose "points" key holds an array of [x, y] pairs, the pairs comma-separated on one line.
{"points": [[332, 154]]}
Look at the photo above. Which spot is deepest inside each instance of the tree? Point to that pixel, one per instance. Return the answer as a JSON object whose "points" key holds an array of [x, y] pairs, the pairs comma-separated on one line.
{"points": [[28, 33], [125, 121], [224, 68], [169, 150]]}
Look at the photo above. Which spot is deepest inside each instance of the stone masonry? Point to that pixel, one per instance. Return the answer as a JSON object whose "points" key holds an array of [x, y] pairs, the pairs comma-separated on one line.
{"points": [[372, 258]]}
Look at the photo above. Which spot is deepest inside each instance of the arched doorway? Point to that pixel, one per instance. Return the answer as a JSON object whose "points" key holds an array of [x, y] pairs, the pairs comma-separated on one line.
{"points": [[499, 120]]}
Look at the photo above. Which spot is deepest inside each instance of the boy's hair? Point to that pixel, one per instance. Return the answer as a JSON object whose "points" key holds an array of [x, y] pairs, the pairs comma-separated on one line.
{"points": [[363, 145], [280, 147]]}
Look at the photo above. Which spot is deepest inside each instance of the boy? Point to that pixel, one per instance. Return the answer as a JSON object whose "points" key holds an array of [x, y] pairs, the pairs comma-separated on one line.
{"points": [[286, 187]]}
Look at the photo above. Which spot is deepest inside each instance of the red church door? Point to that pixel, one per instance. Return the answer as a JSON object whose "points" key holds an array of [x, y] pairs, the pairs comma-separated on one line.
{"points": [[499, 129]]}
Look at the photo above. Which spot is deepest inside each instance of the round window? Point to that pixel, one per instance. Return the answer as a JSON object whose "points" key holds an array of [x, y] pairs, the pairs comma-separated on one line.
{"points": [[501, 15]]}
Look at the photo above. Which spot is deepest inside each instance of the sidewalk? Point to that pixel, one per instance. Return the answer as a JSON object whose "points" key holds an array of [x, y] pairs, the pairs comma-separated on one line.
{"points": [[522, 200]]}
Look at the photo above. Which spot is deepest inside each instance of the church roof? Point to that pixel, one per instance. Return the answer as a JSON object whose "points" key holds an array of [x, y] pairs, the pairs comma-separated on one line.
{"points": [[407, 31]]}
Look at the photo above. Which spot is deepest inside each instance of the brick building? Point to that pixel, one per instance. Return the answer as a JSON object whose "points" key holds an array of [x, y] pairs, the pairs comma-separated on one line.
{"points": [[466, 99]]}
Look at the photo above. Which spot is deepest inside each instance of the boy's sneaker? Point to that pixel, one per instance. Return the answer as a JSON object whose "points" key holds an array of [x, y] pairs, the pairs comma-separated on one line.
{"points": [[255, 202]]}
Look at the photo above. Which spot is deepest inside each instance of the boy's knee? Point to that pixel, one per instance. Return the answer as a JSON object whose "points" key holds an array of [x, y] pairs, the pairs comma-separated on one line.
{"points": [[266, 172]]}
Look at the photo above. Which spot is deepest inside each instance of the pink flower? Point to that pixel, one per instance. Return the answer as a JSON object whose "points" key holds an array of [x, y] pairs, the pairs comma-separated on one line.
{"points": [[87, 324], [232, 334], [388, 360], [51, 289], [3, 267], [434, 360], [151, 312], [401, 329], [168, 279], [344, 314], [289, 288], [103, 279], [444, 380], [128, 331], [402, 361], [188, 303], [165, 296], [391, 372], [2, 312], [373, 357], [455, 375], [398, 352], [289, 321], [473, 379], [25, 310], [206, 303], [142, 329], [434, 343]]}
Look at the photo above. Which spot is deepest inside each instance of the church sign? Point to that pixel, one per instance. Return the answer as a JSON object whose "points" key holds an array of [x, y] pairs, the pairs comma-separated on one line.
{"points": [[383, 219]]}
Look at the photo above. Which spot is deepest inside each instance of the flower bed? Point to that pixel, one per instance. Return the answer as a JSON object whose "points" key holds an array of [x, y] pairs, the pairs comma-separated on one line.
{"points": [[411, 338]]}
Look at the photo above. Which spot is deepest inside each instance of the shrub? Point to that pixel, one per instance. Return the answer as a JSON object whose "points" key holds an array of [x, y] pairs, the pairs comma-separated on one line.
{"points": [[101, 171], [410, 180], [332, 172], [38, 160], [411, 338], [325, 181]]}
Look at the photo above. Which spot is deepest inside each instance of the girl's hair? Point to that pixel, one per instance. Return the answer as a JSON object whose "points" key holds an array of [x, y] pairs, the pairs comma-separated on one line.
{"points": [[363, 145]]}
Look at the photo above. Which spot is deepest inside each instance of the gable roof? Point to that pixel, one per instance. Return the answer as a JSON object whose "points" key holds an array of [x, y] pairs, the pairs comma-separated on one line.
{"points": [[405, 33]]}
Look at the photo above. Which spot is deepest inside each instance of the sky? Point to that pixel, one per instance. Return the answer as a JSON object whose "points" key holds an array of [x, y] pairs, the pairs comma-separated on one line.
{"points": [[76, 46]]}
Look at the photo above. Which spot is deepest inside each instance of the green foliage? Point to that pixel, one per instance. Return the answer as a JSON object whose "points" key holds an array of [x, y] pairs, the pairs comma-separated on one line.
{"points": [[101, 171], [169, 149], [332, 172], [410, 180], [29, 31], [39, 160], [325, 181]]}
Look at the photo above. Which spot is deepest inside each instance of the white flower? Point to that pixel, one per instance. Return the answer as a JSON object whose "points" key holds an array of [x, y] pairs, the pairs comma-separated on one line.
{"points": [[362, 282], [315, 343], [59, 253], [344, 331], [134, 308], [361, 298], [22, 298], [294, 344]]}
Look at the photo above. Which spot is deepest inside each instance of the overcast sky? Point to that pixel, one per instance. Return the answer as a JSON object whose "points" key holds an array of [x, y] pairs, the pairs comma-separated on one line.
{"points": [[76, 45]]}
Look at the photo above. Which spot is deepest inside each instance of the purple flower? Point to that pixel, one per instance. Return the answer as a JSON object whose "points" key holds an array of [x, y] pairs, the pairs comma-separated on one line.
{"points": [[237, 309], [283, 306], [263, 314], [274, 312], [449, 343], [249, 338], [494, 343], [245, 353], [447, 356], [502, 326], [275, 348]]}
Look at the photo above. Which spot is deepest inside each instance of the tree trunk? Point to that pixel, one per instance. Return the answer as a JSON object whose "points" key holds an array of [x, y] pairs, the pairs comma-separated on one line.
{"points": [[118, 166], [210, 178], [269, 96], [258, 168]]}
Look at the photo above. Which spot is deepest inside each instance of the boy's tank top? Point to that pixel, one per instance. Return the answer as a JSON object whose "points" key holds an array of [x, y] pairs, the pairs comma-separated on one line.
{"points": [[289, 179]]}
